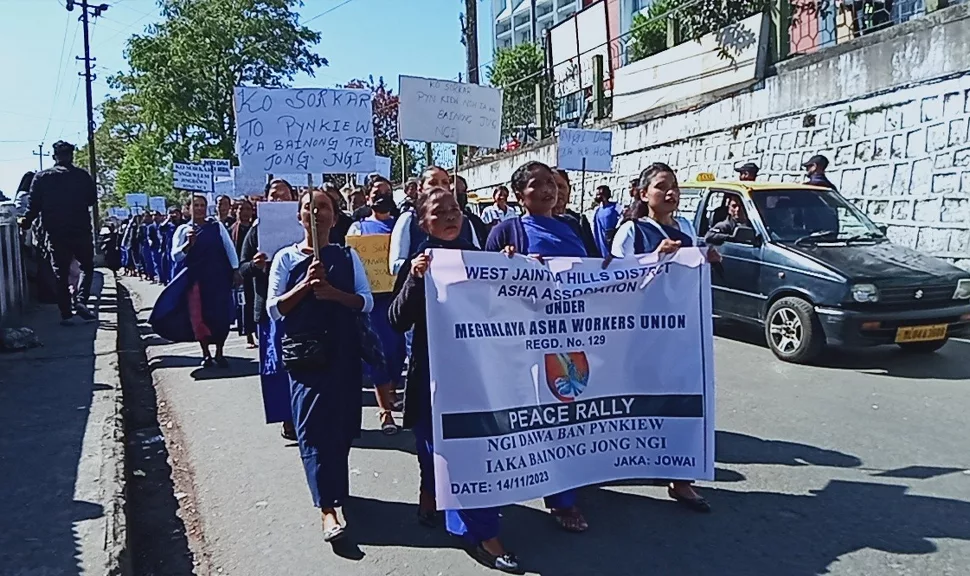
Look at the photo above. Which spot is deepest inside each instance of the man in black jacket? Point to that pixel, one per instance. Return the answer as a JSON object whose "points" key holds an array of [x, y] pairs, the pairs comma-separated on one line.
{"points": [[62, 197]]}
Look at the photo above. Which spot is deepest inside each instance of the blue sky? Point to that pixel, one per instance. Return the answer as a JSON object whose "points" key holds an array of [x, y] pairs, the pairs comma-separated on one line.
{"points": [[43, 100]]}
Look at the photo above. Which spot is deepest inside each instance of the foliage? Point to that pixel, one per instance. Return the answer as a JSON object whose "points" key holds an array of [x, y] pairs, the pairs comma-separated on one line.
{"points": [[648, 34], [516, 70], [694, 19], [176, 98], [386, 142]]}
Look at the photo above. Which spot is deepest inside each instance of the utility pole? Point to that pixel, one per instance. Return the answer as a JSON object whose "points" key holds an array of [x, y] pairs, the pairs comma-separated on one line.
{"points": [[40, 154], [88, 10], [532, 18], [469, 37], [470, 33]]}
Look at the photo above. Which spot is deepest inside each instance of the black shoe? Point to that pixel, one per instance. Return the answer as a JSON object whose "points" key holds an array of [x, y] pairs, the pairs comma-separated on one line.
{"points": [[504, 563], [222, 362], [698, 504], [84, 313], [208, 363]]}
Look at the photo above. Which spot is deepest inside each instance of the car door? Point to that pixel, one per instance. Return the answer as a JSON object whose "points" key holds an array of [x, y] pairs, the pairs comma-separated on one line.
{"points": [[737, 285]]}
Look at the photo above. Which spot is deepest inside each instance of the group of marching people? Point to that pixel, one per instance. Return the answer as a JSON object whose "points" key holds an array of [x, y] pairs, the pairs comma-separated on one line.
{"points": [[321, 327]]}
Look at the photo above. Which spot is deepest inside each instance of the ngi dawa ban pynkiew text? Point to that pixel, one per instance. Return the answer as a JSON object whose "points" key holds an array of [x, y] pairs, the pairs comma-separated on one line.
{"points": [[570, 373]]}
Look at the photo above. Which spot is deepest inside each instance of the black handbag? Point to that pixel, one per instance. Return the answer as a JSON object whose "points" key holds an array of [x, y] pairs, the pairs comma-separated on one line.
{"points": [[304, 353]]}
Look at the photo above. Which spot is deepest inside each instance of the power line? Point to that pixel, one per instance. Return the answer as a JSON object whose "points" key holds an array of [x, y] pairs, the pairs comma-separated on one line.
{"points": [[60, 70], [327, 11]]}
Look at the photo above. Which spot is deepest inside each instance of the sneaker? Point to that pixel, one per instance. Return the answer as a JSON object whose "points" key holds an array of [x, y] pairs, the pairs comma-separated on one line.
{"points": [[83, 312]]}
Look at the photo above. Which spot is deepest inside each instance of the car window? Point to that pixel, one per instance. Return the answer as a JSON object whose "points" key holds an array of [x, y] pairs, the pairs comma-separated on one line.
{"points": [[791, 215], [690, 199]]}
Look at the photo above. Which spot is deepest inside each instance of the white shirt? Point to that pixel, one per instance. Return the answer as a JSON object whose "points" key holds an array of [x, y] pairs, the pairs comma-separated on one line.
{"points": [[287, 259], [181, 239], [401, 241], [625, 239], [495, 214]]}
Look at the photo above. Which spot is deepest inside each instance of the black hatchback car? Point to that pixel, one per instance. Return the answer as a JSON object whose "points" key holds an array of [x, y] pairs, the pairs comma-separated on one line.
{"points": [[814, 270]]}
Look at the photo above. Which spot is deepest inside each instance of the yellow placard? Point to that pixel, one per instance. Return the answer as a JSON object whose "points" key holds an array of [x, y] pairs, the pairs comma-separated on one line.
{"points": [[373, 250]]}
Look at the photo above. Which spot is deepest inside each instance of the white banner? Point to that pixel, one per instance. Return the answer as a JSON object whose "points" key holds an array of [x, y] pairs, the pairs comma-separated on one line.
{"points": [[589, 150], [383, 167], [247, 183], [316, 130], [451, 112], [220, 168], [136, 200], [567, 374], [192, 177], [279, 226], [157, 204]]}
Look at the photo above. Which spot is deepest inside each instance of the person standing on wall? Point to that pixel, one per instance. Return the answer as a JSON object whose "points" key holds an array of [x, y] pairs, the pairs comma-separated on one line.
{"points": [[62, 197]]}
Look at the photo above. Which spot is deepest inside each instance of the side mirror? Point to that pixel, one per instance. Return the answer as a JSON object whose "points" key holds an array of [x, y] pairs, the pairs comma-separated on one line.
{"points": [[883, 228], [744, 235]]}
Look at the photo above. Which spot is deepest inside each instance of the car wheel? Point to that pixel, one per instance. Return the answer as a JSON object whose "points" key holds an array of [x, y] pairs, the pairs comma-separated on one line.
{"points": [[922, 347], [793, 331]]}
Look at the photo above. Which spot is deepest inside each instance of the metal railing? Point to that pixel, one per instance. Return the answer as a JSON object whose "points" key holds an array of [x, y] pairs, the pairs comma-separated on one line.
{"points": [[543, 100], [13, 280]]}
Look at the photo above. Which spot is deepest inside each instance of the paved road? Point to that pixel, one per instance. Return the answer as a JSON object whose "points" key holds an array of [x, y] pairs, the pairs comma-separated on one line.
{"points": [[858, 467]]}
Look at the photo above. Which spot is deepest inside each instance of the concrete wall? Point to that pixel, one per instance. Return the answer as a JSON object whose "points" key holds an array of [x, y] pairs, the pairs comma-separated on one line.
{"points": [[890, 110]]}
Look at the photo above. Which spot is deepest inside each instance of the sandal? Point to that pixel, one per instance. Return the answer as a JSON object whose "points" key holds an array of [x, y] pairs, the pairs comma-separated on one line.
{"points": [[504, 563], [288, 432], [570, 520], [334, 533], [388, 426], [698, 504]]}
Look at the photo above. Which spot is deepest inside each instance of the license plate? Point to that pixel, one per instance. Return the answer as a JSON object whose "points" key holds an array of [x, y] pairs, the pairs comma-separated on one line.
{"points": [[921, 333]]}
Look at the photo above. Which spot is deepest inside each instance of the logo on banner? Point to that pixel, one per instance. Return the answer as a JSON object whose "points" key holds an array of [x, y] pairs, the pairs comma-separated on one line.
{"points": [[567, 375]]}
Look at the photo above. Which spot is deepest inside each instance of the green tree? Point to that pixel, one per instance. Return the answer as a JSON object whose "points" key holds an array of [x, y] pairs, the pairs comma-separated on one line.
{"points": [[386, 139], [648, 34], [182, 72], [517, 70], [694, 19]]}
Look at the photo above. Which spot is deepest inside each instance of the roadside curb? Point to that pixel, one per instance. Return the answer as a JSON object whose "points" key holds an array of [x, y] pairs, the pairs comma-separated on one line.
{"points": [[113, 474]]}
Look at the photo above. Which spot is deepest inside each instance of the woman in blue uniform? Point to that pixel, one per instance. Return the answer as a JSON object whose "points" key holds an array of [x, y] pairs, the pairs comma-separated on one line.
{"points": [[197, 305], [254, 268], [317, 301], [440, 217], [387, 375], [652, 226], [538, 233]]}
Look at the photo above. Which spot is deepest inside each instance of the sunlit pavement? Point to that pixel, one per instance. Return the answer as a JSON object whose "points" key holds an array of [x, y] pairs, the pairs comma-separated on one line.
{"points": [[856, 467]]}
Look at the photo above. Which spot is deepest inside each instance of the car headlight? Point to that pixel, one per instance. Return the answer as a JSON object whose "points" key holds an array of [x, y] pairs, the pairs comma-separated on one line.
{"points": [[865, 293], [963, 289]]}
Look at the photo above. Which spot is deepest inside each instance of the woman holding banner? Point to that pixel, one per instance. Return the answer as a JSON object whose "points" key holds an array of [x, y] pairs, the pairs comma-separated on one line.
{"points": [[651, 227], [316, 291], [440, 217], [540, 234], [253, 268], [408, 235], [197, 305], [387, 376]]}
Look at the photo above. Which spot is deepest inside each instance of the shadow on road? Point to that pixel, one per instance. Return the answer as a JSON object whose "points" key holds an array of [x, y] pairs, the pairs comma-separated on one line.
{"points": [[735, 448], [947, 364], [45, 402], [748, 533], [158, 536]]}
